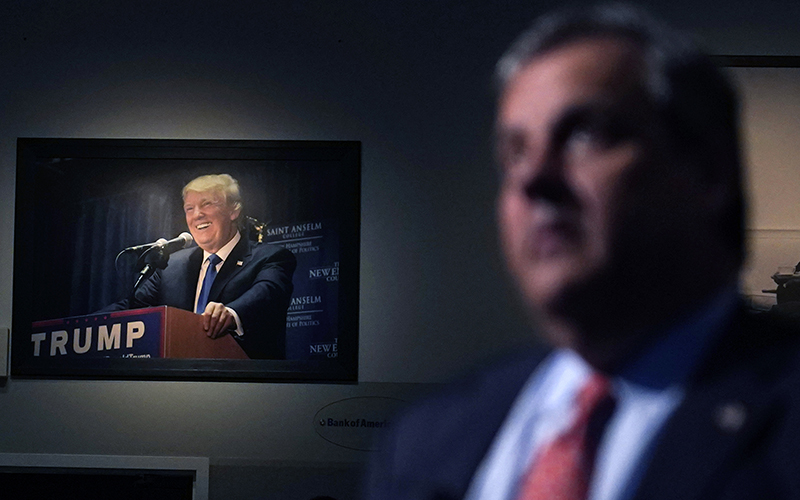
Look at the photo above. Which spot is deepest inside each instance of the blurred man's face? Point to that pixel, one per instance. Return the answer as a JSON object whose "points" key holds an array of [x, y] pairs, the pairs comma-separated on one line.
{"points": [[211, 221], [582, 191]]}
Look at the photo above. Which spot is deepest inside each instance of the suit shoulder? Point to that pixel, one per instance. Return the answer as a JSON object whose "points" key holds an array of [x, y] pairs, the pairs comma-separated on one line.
{"points": [[182, 257], [766, 344], [437, 443], [269, 250], [510, 371], [777, 350], [185, 253], [474, 403]]}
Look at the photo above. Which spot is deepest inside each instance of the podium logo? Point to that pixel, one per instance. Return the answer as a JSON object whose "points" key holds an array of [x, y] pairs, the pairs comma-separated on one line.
{"points": [[83, 340]]}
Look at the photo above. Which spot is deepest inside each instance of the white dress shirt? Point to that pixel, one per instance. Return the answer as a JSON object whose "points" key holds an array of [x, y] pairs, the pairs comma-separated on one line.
{"points": [[223, 254], [647, 392]]}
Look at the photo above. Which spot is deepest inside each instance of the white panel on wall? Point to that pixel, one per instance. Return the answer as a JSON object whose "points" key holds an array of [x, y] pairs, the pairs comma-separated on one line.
{"points": [[772, 140], [770, 133]]}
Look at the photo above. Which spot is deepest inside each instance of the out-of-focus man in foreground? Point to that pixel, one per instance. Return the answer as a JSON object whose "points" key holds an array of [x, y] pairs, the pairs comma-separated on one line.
{"points": [[620, 213]]}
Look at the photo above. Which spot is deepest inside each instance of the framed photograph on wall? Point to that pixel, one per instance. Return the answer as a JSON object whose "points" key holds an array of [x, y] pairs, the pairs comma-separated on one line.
{"points": [[96, 218]]}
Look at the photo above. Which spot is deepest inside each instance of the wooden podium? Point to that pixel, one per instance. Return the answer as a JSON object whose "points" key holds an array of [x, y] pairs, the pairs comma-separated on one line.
{"points": [[184, 337], [158, 332]]}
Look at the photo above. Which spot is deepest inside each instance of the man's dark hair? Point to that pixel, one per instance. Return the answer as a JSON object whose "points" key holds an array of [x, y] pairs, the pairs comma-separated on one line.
{"points": [[697, 103]]}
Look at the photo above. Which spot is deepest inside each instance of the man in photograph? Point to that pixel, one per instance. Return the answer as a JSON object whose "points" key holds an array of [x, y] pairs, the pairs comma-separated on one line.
{"points": [[241, 288], [621, 216]]}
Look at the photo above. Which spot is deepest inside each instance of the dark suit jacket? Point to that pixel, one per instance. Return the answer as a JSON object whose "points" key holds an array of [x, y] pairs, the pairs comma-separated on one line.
{"points": [[736, 435], [259, 290]]}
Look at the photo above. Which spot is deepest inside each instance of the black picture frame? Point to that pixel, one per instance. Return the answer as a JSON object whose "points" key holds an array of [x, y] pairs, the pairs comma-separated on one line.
{"points": [[284, 183]]}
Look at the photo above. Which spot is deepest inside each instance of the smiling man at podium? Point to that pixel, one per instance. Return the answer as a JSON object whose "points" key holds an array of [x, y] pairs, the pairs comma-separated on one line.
{"points": [[241, 288]]}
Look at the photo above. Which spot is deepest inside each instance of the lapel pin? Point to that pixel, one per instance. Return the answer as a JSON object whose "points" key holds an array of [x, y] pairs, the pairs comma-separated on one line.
{"points": [[239, 263], [730, 417]]}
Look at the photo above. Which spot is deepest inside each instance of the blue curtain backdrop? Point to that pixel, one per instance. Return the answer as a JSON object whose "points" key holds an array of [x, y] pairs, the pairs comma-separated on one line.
{"points": [[104, 227]]}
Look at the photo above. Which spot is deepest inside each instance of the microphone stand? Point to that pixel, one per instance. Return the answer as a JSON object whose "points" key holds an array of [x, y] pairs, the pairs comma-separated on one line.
{"points": [[152, 259]]}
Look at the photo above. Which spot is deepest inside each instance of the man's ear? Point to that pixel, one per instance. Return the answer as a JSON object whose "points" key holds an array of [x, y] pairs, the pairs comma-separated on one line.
{"points": [[235, 213]]}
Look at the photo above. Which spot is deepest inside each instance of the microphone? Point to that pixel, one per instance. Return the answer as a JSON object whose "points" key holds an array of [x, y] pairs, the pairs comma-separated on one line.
{"points": [[139, 248], [183, 240], [157, 255], [179, 242]]}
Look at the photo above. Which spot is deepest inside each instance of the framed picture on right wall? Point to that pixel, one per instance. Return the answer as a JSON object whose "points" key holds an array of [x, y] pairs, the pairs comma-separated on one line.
{"points": [[770, 91]]}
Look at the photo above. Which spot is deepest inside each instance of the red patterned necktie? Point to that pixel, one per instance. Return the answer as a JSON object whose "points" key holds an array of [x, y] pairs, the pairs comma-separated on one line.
{"points": [[564, 467]]}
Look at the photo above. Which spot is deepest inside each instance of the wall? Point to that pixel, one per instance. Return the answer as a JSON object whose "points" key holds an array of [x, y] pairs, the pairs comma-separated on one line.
{"points": [[409, 79]]}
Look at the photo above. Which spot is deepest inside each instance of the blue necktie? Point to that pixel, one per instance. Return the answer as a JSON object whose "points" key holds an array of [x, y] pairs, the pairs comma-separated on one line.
{"points": [[211, 273]]}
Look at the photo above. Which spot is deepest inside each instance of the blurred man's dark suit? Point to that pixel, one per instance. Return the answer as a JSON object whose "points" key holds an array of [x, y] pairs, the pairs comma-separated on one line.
{"points": [[734, 437]]}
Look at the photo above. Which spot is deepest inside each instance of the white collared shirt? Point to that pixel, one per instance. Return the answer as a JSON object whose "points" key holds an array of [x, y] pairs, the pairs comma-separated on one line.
{"points": [[647, 392], [223, 254]]}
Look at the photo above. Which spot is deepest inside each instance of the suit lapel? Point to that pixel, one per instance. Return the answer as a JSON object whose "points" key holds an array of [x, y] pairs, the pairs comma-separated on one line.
{"points": [[231, 267], [724, 411], [712, 427]]}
